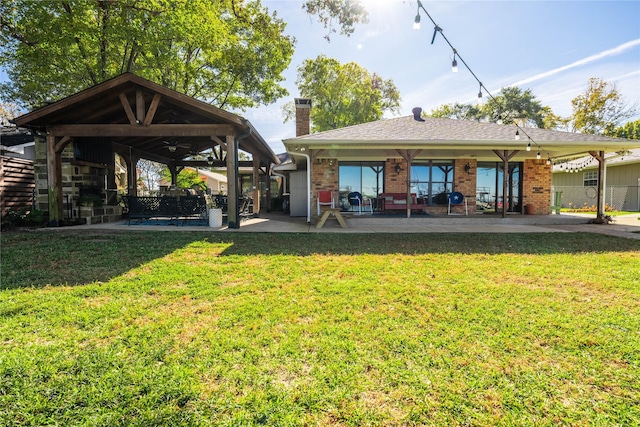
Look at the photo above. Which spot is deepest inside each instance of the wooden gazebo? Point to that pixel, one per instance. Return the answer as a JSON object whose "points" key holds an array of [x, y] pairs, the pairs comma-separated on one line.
{"points": [[139, 119]]}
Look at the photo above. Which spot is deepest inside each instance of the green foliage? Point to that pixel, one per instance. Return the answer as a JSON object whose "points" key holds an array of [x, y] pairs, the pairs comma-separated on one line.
{"points": [[458, 111], [347, 13], [344, 94], [511, 105], [222, 329], [599, 109], [23, 217], [630, 130], [187, 178], [228, 53]]}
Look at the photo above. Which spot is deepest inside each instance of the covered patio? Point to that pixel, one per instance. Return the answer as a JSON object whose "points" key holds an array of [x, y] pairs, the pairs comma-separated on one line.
{"points": [[138, 119], [413, 164]]}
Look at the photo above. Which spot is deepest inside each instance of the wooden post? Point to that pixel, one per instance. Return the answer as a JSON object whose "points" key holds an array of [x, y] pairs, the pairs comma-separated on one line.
{"points": [[233, 196], [256, 186], [600, 157], [505, 156], [54, 175]]}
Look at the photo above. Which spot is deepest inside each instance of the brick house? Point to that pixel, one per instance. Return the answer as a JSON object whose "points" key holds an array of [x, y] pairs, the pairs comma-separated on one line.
{"points": [[434, 157]]}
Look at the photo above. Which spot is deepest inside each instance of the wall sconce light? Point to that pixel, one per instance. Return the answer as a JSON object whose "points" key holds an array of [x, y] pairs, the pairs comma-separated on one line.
{"points": [[210, 160], [398, 169], [330, 162], [467, 168]]}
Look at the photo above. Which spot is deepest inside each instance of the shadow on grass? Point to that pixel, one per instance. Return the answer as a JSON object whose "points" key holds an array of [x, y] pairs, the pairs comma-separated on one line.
{"points": [[37, 259]]}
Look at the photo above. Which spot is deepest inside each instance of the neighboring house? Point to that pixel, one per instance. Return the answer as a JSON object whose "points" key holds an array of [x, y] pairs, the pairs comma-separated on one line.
{"points": [[433, 157], [578, 181]]}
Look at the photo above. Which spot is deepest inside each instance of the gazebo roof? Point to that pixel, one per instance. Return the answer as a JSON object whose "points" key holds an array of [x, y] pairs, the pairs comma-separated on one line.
{"points": [[145, 112]]}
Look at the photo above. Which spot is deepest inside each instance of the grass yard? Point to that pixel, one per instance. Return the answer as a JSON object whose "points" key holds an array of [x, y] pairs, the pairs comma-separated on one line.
{"points": [[248, 329]]}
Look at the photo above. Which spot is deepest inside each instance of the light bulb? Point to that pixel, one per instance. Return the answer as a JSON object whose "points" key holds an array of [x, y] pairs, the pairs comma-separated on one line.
{"points": [[416, 23]]}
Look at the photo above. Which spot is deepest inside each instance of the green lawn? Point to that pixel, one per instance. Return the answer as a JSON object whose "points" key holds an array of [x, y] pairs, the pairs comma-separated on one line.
{"points": [[319, 329]]}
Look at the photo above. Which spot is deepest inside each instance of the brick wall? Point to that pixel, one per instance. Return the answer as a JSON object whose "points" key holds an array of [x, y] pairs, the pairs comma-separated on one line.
{"points": [[465, 182], [537, 186], [324, 176], [395, 182]]}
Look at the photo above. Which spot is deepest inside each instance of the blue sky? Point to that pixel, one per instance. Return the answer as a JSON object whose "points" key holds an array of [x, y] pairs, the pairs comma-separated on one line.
{"points": [[550, 47]]}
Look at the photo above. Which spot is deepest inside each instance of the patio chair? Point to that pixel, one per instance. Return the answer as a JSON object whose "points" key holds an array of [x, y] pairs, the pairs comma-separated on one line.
{"points": [[325, 198], [456, 199], [356, 200]]}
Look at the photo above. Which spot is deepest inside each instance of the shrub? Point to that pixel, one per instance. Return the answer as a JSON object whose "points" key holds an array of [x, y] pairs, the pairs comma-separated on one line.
{"points": [[24, 217]]}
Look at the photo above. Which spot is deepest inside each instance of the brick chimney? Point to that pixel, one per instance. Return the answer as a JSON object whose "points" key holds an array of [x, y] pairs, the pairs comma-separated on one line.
{"points": [[303, 116]]}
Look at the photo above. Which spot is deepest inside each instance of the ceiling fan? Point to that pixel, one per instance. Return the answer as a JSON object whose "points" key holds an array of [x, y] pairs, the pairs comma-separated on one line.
{"points": [[173, 145]]}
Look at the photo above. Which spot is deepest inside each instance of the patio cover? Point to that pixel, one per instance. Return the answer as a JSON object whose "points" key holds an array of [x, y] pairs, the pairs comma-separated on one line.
{"points": [[143, 120]]}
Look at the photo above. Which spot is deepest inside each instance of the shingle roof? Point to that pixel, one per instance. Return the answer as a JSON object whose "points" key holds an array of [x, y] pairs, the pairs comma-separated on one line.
{"points": [[441, 129]]}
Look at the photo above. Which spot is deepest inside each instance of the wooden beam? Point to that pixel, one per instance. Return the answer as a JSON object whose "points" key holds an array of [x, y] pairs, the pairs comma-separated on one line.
{"points": [[152, 109], [140, 107], [233, 193], [119, 130], [220, 142], [505, 156], [62, 143], [127, 108], [54, 175], [409, 156], [601, 178]]}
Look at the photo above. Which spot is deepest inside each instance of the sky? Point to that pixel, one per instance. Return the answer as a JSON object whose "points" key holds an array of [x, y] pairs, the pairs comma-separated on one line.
{"points": [[551, 47]]}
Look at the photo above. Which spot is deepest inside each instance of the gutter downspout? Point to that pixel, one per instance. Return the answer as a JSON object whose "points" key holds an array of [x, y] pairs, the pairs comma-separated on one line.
{"points": [[308, 183]]}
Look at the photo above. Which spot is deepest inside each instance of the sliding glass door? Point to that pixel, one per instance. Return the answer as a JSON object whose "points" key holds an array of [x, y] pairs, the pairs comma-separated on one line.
{"points": [[489, 187], [366, 178]]}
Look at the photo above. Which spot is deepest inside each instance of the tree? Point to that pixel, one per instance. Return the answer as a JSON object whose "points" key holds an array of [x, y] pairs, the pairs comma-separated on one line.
{"points": [[187, 178], [229, 53], [347, 13], [599, 109], [8, 111], [458, 111], [343, 94], [511, 105], [630, 130]]}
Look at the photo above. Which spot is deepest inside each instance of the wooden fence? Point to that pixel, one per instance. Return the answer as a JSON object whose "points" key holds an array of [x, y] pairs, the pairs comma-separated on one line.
{"points": [[17, 183]]}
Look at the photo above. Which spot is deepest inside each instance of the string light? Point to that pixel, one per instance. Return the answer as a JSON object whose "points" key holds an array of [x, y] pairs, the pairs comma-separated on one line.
{"points": [[416, 23], [454, 68]]}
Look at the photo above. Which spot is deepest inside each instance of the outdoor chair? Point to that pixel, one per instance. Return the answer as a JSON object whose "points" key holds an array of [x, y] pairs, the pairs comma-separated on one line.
{"points": [[361, 203], [325, 198], [456, 199]]}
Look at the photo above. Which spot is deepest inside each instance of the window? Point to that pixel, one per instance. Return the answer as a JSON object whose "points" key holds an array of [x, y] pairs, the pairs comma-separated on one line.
{"points": [[432, 181], [590, 178], [364, 177]]}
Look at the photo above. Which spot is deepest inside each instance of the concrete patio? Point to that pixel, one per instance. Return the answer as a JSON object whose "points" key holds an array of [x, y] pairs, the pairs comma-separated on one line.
{"points": [[627, 226]]}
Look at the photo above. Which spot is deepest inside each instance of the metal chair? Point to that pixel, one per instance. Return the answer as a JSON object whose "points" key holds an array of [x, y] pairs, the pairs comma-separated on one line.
{"points": [[356, 199], [456, 199], [325, 198]]}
